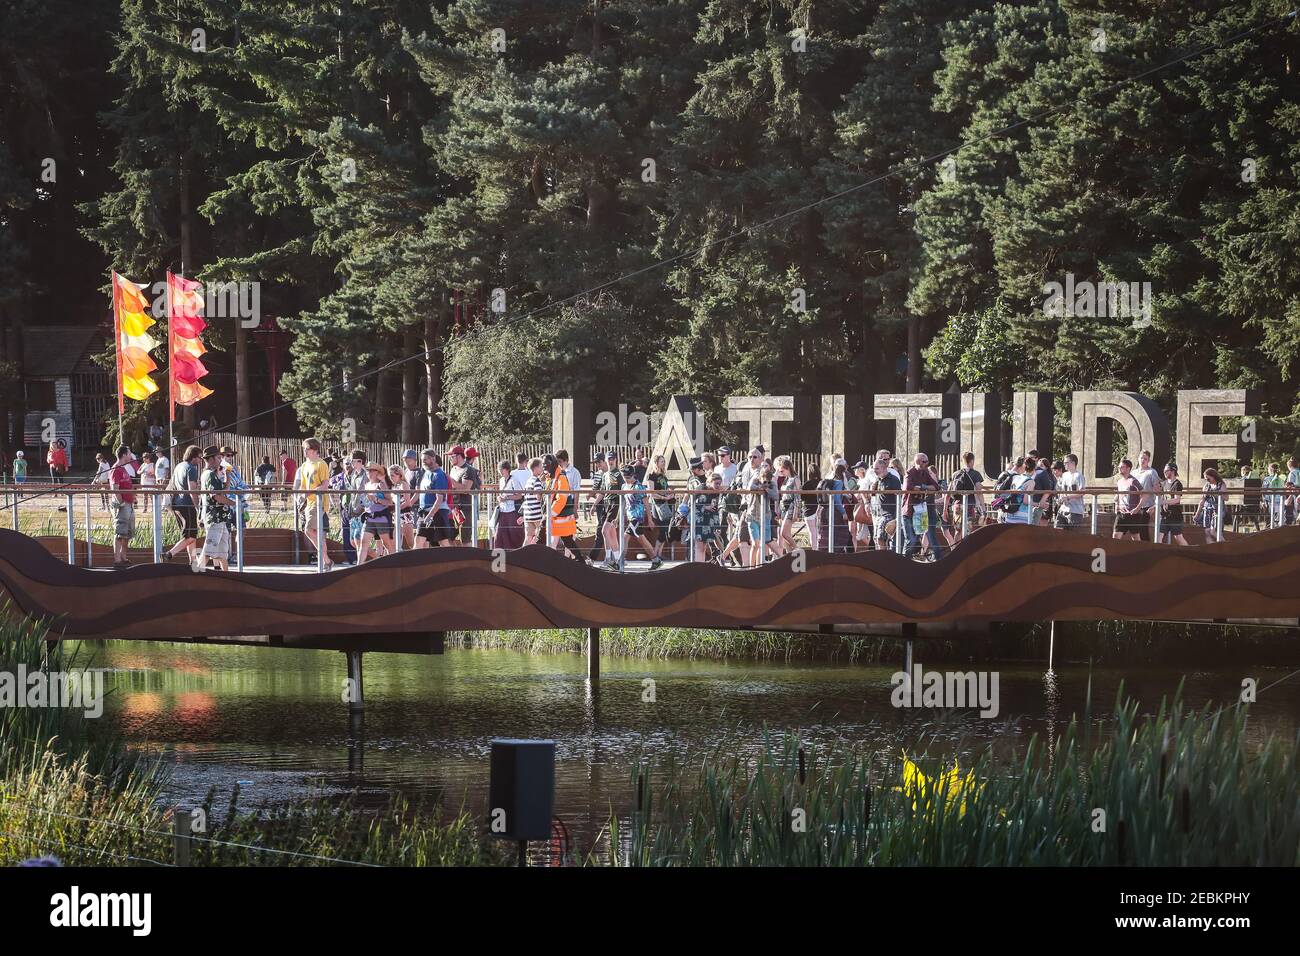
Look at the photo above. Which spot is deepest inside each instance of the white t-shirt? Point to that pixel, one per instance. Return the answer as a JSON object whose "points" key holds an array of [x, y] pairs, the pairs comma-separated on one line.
{"points": [[508, 506], [728, 473], [1149, 479], [574, 476], [162, 469], [1071, 481]]}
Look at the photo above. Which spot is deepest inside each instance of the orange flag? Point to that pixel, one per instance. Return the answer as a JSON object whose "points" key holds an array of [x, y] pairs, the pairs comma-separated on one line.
{"points": [[132, 342]]}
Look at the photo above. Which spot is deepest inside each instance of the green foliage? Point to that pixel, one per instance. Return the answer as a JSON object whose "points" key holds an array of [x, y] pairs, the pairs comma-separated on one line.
{"points": [[68, 791], [1182, 788], [797, 146]]}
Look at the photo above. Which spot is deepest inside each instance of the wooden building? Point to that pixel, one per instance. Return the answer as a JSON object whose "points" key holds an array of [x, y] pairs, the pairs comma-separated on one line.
{"points": [[63, 386]]}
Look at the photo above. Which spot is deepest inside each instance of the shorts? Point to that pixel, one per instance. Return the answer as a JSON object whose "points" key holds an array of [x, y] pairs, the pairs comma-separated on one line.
{"points": [[309, 524], [217, 542], [437, 527], [124, 520], [378, 524], [752, 526], [187, 516], [1135, 523]]}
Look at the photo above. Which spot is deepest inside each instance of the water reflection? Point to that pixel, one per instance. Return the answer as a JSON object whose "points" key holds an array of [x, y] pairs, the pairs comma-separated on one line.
{"points": [[274, 717]]}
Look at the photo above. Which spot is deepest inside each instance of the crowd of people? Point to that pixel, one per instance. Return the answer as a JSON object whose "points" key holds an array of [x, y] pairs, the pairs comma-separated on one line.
{"points": [[736, 512]]}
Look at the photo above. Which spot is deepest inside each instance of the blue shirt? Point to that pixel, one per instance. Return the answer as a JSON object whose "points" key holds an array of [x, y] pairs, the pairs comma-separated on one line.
{"points": [[636, 504], [432, 484]]}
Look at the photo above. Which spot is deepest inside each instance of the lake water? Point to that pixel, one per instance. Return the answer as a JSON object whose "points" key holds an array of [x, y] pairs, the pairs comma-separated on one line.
{"points": [[273, 720]]}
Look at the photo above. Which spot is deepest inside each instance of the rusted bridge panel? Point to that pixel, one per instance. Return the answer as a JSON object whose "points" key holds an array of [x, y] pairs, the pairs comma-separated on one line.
{"points": [[1002, 573]]}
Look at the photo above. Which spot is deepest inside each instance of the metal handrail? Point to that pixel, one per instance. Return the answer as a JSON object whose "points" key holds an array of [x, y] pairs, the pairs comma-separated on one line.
{"points": [[1263, 507]]}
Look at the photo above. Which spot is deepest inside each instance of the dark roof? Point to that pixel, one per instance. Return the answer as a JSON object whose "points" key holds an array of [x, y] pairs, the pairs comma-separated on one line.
{"points": [[52, 351]]}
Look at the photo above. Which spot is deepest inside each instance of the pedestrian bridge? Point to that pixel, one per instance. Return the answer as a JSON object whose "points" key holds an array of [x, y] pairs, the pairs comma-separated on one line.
{"points": [[999, 573]]}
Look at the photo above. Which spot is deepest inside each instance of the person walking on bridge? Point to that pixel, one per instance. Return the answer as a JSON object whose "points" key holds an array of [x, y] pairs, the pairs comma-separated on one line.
{"points": [[564, 512], [185, 481], [122, 506], [313, 474], [218, 512]]}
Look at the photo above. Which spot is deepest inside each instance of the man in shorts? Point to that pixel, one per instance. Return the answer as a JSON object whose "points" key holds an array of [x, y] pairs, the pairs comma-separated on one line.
{"points": [[185, 480], [435, 512], [123, 507], [218, 513], [1130, 519], [311, 474]]}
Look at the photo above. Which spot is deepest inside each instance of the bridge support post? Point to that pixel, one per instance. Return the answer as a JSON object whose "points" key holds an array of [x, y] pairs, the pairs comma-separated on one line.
{"points": [[1051, 645], [593, 656], [357, 695], [909, 633]]}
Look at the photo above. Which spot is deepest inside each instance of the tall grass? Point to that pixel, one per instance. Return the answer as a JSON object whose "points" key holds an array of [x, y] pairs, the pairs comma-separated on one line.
{"points": [[71, 791], [686, 643], [1104, 642], [1177, 789]]}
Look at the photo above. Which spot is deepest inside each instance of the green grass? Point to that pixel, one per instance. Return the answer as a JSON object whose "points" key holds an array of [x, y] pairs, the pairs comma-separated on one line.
{"points": [[1180, 788], [69, 789], [687, 643]]}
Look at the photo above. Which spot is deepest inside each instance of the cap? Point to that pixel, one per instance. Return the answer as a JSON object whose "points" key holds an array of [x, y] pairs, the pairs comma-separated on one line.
{"points": [[227, 450], [471, 452], [211, 451], [860, 464], [376, 466], [629, 469], [358, 455], [457, 450], [611, 456], [409, 453], [724, 450], [696, 463], [756, 451]]}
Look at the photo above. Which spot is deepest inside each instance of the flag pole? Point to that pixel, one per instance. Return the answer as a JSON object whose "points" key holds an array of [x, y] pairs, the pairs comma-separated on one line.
{"points": [[171, 369], [117, 351]]}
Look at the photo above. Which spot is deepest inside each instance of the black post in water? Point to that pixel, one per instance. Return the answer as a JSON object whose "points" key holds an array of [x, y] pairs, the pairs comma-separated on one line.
{"points": [[593, 656], [521, 791]]}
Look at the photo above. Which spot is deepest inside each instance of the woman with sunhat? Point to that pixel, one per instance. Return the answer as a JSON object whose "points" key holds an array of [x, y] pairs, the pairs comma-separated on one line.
{"points": [[405, 499], [378, 502]]}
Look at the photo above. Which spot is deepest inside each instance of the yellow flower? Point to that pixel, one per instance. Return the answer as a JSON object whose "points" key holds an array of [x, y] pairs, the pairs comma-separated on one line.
{"points": [[950, 783]]}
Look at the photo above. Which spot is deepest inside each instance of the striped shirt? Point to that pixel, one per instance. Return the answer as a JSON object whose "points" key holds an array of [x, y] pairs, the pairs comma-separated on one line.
{"points": [[533, 501]]}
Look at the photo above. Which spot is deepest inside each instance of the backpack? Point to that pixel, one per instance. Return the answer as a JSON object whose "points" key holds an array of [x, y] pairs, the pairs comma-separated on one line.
{"points": [[1007, 503], [732, 503]]}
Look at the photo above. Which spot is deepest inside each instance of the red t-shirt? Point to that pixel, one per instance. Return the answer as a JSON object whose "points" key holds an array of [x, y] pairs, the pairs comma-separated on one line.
{"points": [[290, 468], [119, 479]]}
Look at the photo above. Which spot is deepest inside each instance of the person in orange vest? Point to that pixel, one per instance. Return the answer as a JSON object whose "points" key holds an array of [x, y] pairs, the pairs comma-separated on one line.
{"points": [[564, 513]]}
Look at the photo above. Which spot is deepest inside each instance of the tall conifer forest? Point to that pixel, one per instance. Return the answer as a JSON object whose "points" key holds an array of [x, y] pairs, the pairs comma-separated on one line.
{"points": [[456, 211]]}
